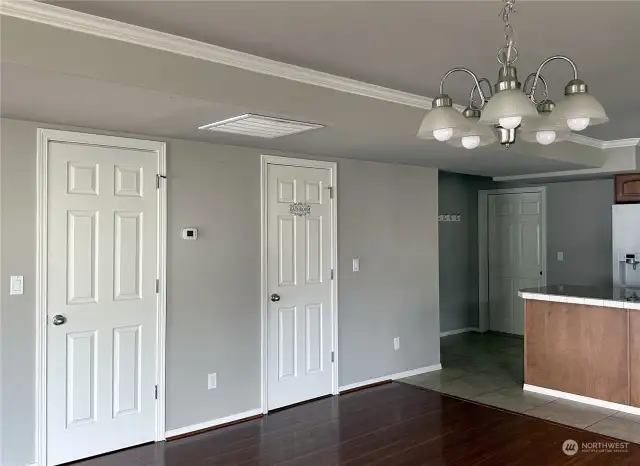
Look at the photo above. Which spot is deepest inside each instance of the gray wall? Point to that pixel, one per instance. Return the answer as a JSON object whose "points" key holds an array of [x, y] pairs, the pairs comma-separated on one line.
{"points": [[387, 217], [458, 244], [579, 225]]}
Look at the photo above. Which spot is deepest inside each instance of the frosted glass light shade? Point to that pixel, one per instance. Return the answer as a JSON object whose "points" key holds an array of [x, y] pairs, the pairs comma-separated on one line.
{"points": [[509, 103], [485, 133], [441, 118], [581, 105]]}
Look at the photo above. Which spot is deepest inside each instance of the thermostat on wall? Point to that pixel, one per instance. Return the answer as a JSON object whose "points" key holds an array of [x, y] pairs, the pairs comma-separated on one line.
{"points": [[189, 233]]}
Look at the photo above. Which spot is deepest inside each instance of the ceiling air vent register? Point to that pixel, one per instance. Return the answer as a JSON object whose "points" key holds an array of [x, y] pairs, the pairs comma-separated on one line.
{"points": [[260, 126]]}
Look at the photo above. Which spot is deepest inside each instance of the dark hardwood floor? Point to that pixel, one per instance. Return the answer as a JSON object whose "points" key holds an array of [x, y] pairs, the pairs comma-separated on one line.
{"points": [[393, 424]]}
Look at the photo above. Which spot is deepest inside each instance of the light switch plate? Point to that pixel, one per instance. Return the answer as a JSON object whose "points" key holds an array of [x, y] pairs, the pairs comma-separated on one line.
{"points": [[17, 285], [212, 381], [356, 264], [396, 343], [560, 256]]}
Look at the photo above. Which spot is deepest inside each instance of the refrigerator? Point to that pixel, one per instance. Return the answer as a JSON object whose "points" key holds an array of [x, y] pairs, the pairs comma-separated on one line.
{"points": [[625, 229]]}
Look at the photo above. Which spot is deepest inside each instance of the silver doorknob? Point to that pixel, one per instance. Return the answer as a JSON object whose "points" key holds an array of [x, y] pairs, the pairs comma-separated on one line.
{"points": [[58, 320], [275, 297]]}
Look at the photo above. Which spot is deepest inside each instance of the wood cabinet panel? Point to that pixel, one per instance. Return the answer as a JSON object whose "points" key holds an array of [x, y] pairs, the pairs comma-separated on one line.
{"points": [[628, 188], [577, 349], [634, 357]]}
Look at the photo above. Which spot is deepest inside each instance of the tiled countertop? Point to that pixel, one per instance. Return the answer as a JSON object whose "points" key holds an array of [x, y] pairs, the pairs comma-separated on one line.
{"points": [[624, 298]]}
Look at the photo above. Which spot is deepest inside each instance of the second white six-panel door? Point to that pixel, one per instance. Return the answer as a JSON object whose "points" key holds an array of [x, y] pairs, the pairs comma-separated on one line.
{"points": [[101, 299], [515, 256], [299, 326]]}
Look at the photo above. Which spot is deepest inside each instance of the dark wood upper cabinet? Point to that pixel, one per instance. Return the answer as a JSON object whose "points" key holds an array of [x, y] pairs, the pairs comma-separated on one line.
{"points": [[628, 188]]}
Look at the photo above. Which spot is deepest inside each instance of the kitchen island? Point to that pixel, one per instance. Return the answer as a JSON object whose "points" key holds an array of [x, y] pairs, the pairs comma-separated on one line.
{"points": [[583, 344]]}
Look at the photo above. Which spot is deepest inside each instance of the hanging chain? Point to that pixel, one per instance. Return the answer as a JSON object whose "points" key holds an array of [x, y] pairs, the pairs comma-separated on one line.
{"points": [[508, 50]]}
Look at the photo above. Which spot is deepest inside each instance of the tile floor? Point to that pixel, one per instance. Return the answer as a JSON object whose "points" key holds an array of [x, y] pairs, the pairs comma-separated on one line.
{"points": [[488, 369]]}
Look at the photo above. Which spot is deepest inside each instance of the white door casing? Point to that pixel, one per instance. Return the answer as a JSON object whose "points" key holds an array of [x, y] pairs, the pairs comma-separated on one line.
{"points": [[515, 256], [300, 326], [101, 253]]}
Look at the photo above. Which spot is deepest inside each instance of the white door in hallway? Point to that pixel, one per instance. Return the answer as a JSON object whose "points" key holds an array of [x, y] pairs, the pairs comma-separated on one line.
{"points": [[299, 284], [516, 256], [102, 265]]}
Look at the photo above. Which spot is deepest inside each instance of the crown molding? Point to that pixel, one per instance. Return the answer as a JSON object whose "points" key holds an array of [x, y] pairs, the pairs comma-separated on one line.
{"points": [[599, 144], [110, 29], [64, 18]]}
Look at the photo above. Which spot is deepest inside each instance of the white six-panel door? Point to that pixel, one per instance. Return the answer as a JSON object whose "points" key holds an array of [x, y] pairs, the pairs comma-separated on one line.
{"points": [[515, 256], [101, 299], [299, 324]]}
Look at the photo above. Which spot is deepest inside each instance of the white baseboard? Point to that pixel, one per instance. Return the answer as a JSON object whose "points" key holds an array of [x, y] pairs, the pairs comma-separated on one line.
{"points": [[460, 330], [209, 424], [32, 464], [581, 399], [399, 375]]}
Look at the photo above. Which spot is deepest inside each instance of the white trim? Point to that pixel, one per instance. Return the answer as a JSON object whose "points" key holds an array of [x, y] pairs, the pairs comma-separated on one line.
{"points": [[32, 464], [483, 245], [44, 137], [333, 168], [458, 331], [396, 376], [582, 399], [600, 144], [214, 423]]}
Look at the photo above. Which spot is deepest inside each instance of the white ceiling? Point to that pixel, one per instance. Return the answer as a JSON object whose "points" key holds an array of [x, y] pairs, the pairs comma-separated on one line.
{"points": [[55, 75], [408, 45]]}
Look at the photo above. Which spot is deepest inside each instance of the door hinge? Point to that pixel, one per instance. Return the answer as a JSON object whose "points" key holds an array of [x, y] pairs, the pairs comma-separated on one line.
{"points": [[333, 356], [330, 192], [331, 274], [158, 176], [156, 392], [157, 285]]}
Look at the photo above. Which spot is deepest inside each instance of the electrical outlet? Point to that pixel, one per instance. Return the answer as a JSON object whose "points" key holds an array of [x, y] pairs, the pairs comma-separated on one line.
{"points": [[212, 381], [560, 256], [396, 343]]}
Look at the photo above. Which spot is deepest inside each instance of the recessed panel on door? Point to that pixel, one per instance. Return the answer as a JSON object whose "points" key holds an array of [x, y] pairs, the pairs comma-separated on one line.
{"points": [[287, 342], [313, 192], [313, 250], [530, 245], [128, 181], [82, 178], [81, 378], [313, 338], [287, 250], [286, 191], [128, 255], [82, 256], [126, 370]]}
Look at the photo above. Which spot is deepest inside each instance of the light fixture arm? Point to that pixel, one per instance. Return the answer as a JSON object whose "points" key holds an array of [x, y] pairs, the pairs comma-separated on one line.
{"points": [[542, 65], [468, 71], [473, 90], [532, 97]]}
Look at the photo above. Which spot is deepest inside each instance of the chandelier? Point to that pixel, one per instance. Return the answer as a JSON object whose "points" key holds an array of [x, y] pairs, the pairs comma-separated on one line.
{"points": [[511, 109]]}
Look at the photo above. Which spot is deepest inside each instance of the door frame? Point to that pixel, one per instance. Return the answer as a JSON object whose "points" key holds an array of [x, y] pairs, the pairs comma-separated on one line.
{"points": [[483, 245], [267, 160], [45, 136]]}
